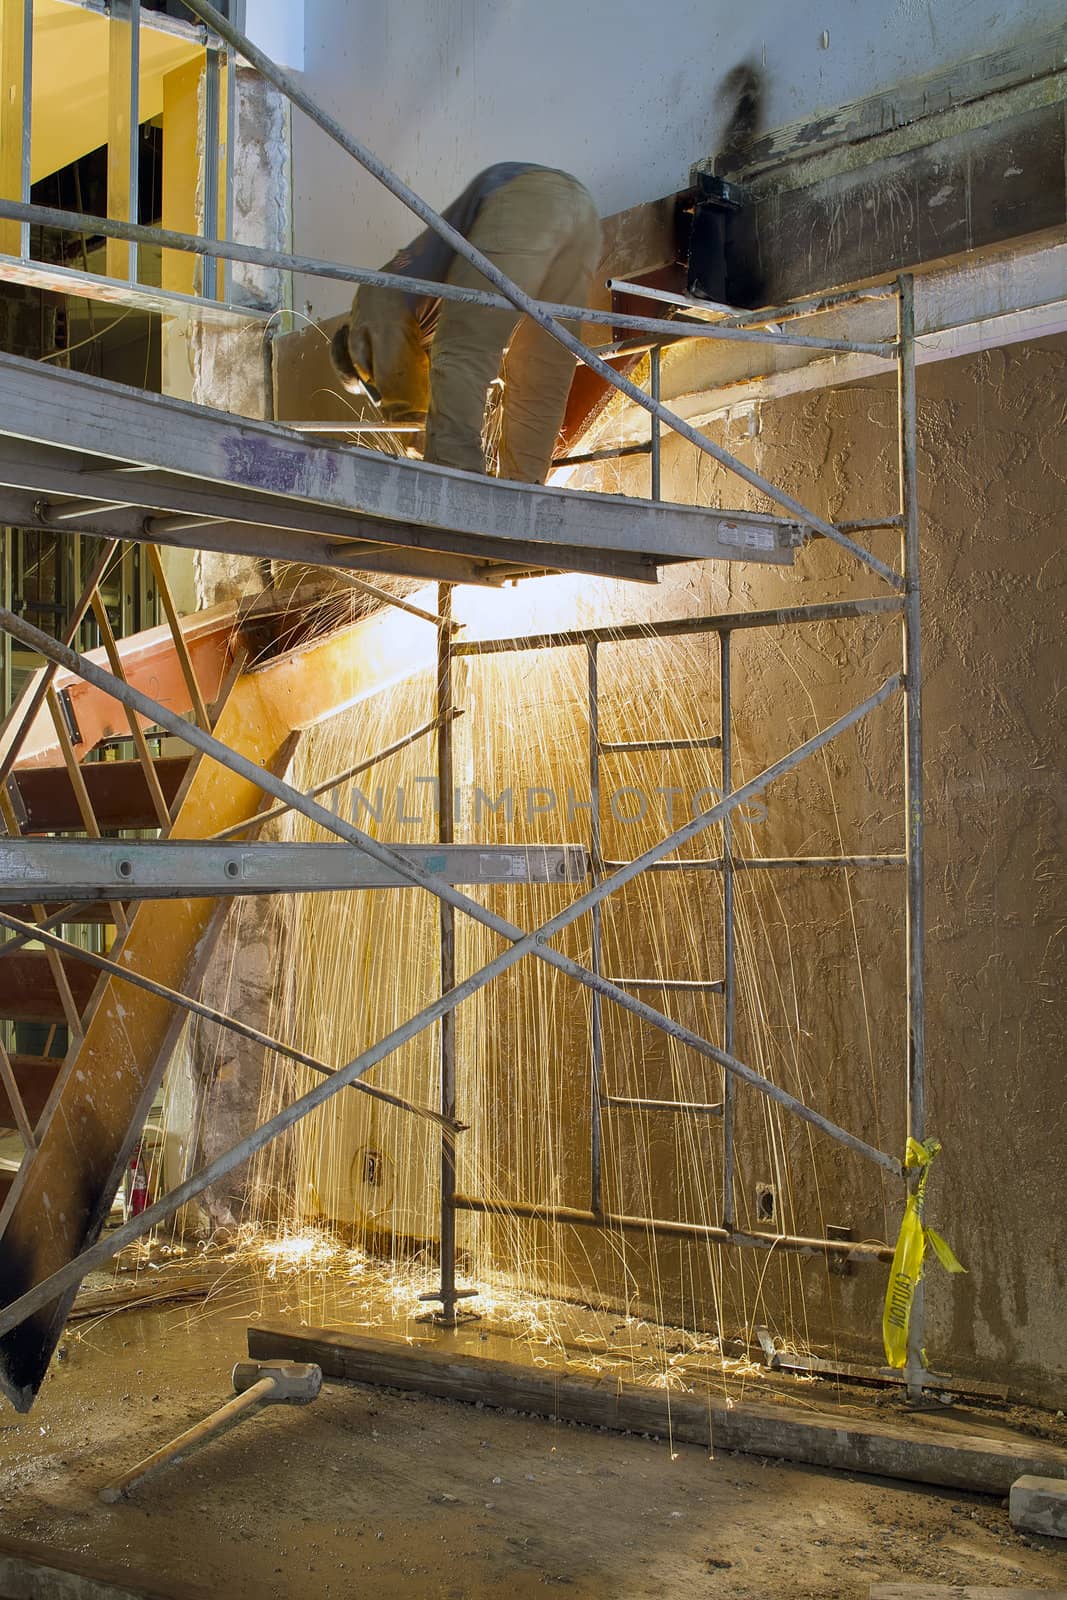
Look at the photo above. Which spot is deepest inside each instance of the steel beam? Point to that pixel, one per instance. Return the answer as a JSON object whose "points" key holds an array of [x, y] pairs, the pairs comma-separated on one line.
{"points": [[988, 298], [284, 531], [89, 869], [570, 1216]]}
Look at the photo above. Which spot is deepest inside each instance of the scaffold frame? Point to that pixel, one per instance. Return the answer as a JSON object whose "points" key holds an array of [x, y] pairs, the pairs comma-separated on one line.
{"points": [[903, 598]]}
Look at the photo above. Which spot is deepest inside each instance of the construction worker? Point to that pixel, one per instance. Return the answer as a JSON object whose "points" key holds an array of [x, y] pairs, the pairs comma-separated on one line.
{"points": [[433, 360]]}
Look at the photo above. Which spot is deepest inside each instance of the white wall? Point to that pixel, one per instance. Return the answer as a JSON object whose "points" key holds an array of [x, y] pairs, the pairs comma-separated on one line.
{"points": [[621, 92], [277, 26]]}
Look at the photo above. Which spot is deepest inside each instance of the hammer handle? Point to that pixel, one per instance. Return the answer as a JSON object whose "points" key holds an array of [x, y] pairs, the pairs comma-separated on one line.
{"points": [[197, 1434]]}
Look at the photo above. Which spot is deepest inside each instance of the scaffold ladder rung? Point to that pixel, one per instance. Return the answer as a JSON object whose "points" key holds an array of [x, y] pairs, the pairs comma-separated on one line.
{"points": [[672, 985], [684, 1107], [627, 746]]}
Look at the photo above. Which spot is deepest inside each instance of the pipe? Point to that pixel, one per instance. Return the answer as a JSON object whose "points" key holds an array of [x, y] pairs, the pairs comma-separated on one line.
{"points": [[913, 778], [572, 1217], [352, 427], [596, 871], [656, 479], [732, 317], [609, 453], [311, 266], [685, 1107], [446, 833], [728, 934], [673, 627]]}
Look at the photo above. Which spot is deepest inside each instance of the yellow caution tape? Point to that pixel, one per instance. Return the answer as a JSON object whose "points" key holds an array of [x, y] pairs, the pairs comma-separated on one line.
{"points": [[907, 1268]]}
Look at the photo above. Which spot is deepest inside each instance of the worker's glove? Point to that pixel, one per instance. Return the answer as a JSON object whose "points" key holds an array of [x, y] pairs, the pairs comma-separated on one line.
{"points": [[352, 378]]}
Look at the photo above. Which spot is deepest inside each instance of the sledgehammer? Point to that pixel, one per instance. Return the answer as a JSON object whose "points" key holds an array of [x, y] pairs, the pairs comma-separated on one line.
{"points": [[256, 1383]]}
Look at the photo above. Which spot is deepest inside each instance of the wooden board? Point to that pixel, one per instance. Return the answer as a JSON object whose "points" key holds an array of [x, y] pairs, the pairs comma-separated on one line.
{"points": [[971, 1591], [35, 1078], [28, 990], [40, 1572], [904, 1449]]}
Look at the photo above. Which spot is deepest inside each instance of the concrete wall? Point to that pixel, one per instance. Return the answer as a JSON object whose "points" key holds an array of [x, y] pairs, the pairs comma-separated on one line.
{"points": [[625, 96]]}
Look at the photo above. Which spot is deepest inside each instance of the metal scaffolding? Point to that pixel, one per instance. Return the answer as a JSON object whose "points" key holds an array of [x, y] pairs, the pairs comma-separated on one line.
{"points": [[65, 478]]}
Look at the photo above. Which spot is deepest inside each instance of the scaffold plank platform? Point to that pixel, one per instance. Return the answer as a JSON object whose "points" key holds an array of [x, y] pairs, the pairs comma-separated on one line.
{"points": [[79, 453]]}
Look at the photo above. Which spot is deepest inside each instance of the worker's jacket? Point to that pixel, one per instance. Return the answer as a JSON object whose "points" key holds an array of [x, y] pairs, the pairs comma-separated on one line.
{"points": [[430, 257]]}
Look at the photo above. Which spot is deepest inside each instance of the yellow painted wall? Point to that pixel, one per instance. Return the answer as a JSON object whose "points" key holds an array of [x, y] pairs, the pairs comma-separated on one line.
{"points": [[70, 81]]}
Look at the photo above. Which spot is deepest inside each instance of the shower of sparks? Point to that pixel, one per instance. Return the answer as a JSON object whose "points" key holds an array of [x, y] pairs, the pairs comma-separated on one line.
{"points": [[344, 1210]]}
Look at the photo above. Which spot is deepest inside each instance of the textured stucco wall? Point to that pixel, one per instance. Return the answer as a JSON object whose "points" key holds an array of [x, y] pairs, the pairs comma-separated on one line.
{"points": [[821, 955], [992, 480]]}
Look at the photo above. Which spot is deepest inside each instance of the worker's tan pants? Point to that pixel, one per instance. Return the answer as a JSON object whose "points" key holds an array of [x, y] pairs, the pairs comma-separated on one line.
{"points": [[542, 230]]}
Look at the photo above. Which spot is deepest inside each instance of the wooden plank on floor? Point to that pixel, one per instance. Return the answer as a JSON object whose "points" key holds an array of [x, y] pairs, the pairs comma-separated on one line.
{"points": [[850, 1444], [40, 1572], [953, 1591]]}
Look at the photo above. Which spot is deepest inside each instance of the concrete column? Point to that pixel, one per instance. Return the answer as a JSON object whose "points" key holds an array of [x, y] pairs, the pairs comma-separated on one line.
{"points": [[227, 365]]}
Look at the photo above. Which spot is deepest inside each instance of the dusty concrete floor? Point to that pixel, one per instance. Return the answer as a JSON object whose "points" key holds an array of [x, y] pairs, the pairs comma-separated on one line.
{"points": [[369, 1493]]}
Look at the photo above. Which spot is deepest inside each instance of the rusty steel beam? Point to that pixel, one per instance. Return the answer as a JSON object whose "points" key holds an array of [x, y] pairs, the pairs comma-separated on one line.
{"points": [[44, 801], [150, 662], [35, 1078], [28, 990]]}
